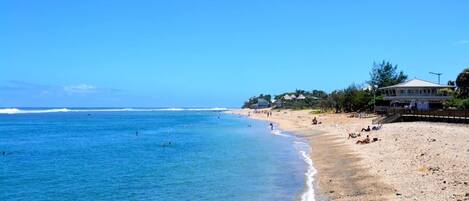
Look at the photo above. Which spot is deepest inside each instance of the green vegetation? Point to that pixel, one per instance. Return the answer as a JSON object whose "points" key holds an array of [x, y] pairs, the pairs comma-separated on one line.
{"points": [[457, 103], [359, 98], [253, 102], [299, 99], [385, 74], [461, 95], [462, 81]]}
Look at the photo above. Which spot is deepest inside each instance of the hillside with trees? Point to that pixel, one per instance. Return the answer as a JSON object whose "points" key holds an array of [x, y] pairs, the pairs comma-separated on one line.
{"points": [[361, 98], [350, 99]]}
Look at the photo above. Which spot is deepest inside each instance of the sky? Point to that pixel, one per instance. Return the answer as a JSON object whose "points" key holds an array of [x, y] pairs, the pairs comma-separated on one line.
{"points": [[205, 53]]}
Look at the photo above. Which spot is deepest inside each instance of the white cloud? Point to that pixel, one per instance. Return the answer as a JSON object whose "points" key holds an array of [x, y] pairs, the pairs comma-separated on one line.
{"points": [[81, 88]]}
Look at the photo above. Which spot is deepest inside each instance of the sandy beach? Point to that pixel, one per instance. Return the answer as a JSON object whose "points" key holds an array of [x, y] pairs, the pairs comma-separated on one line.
{"points": [[410, 160]]}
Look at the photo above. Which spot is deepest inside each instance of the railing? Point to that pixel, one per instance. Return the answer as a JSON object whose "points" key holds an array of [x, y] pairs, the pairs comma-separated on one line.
{"points": [[386, 119], [436, 115], [417, 97]]}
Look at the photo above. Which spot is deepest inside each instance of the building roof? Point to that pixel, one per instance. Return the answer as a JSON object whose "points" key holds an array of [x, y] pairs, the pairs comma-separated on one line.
{"points": [[301, 97], [417, 83]]}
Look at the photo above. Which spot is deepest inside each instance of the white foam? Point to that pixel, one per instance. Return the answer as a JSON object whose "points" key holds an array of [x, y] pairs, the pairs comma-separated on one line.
{"points": [[308, 195], [9, 111], [26, 111], [279, 133], [304, 150], [19, 111]]}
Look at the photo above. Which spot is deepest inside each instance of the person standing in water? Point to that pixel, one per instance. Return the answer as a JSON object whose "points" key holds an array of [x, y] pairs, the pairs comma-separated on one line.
{"points": [[271, 126]]}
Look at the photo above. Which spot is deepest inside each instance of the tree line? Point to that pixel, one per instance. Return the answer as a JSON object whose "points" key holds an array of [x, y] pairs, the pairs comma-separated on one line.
{"points": [[358, 98]]}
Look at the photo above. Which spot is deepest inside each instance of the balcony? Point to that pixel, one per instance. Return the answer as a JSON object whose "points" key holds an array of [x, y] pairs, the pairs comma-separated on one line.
{"points": [[418, 97]]}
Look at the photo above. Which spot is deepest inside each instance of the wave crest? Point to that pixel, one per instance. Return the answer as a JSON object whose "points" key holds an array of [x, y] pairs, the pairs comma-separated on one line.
{"points": [[29, 111], [20, 111]]}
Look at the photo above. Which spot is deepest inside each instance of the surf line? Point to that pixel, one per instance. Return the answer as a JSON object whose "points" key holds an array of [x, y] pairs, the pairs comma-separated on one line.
{"points": [[304, 150]]}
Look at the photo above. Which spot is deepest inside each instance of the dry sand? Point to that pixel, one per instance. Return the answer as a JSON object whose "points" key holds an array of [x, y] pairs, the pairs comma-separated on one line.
{"points": [[411, 161]]}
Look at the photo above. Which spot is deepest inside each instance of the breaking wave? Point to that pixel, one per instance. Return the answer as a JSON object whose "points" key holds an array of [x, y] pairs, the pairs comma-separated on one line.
{"points": [[30, 111], [279, 133], [304, 149]]}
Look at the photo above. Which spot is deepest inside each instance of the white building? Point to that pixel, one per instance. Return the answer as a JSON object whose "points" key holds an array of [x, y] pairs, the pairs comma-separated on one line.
{"points": [[287, 97], [301, 97], [419, 94]]}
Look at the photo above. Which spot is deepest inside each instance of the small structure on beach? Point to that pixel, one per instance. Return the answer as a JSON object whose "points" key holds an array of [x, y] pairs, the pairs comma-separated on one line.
{"points": [[416, 94]]}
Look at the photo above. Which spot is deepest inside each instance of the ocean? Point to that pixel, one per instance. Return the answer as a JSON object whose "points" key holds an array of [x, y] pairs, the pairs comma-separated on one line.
{"points": [[148, 154]]}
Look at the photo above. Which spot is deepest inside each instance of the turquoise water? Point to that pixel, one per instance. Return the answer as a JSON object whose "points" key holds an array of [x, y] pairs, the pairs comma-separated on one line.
{"points": [[175, 156]]}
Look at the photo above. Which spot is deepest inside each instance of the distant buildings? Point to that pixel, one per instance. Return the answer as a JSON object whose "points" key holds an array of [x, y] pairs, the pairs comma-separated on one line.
{"points": [[416, 94], [301, 97], [261, 104], [288, 97]]}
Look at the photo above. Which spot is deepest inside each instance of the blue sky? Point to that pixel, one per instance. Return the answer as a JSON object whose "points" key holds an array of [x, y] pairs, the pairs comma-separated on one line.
{"points": [[216, 53]]}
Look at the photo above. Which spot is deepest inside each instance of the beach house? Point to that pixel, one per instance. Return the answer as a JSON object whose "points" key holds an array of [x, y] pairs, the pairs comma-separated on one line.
{"points": [[416, 94], [261, 104], [301, 97]]}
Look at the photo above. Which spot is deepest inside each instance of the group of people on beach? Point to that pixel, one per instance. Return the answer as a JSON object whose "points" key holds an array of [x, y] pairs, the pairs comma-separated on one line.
{"points": [[367, 140], [266, 112]]}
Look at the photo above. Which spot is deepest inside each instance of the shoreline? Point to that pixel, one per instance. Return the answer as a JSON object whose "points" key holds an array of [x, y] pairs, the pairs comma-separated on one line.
{"points": [[310, 191], [411, 161], [325, 188]]}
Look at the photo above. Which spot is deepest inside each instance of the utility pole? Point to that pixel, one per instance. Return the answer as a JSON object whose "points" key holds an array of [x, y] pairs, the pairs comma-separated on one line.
{"points": [[438, 74]]}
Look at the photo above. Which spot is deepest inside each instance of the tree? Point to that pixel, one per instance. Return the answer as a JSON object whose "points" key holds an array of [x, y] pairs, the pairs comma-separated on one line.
{"points": [[385, 74], [462, 81], [319, 94], [253, 100]]}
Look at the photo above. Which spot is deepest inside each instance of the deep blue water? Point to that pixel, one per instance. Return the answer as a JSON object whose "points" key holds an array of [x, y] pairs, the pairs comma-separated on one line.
{"points": [[176, 156]]}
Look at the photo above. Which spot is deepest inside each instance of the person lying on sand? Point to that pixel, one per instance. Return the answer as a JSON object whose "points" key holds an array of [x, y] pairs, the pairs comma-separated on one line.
{"points": [[375, 128], [353, 135], [368, 129], [365, 141]]}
